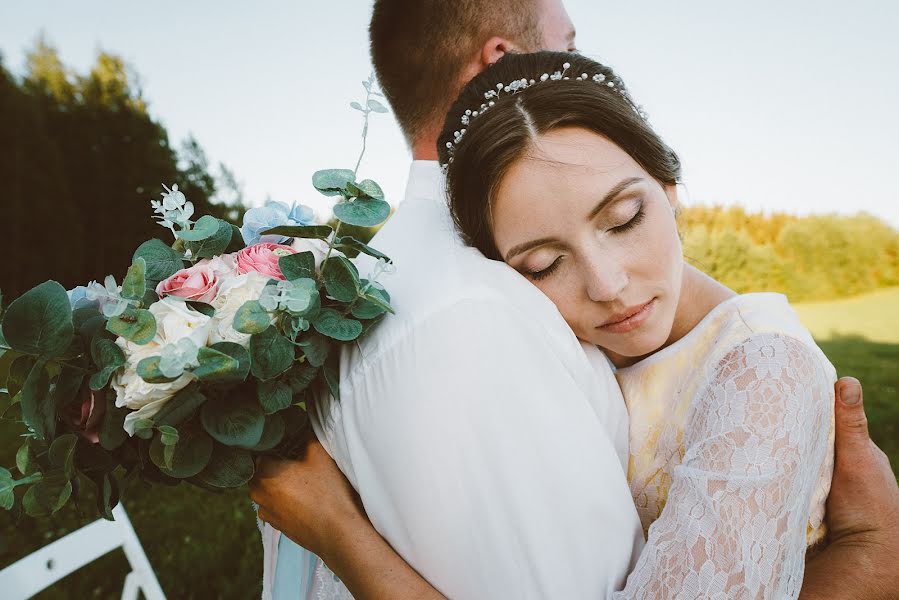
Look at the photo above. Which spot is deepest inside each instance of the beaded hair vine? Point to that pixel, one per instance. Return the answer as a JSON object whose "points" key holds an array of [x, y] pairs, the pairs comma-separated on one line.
{"points": [[519, 85]]}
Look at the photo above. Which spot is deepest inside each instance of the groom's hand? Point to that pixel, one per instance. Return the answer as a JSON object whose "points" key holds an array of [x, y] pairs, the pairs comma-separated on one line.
{"points": [[308, 499], [861, 559]]}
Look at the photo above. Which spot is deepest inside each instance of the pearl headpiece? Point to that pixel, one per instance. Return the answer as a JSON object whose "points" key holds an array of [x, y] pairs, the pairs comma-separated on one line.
{"points": [[520, 85]]}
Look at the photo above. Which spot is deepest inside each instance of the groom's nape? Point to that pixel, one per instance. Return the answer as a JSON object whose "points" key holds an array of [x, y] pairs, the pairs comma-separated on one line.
{"points": [[425, 51]]}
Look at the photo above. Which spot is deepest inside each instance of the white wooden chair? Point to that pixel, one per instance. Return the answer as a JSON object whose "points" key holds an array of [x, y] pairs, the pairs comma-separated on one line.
{"points": [[41, 569]]}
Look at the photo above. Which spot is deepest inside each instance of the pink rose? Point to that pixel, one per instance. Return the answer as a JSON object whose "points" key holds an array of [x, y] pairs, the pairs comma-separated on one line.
{"points": [[263, 258], [199, 282], [86, 416]]}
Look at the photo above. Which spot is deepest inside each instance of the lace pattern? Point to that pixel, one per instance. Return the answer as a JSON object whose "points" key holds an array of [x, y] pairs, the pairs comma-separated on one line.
{"points": [[755, 443]]}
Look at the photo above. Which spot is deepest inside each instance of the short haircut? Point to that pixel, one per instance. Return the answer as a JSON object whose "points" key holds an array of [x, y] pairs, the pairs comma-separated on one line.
{"points": [[420, 47]]}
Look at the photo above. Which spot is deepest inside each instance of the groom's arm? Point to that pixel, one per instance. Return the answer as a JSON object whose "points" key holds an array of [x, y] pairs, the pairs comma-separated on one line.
{"points": [[482, 462], [860, 561]]}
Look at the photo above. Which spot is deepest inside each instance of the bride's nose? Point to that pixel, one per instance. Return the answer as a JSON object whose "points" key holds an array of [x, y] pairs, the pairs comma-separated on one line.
{"points": [[606, 278]]}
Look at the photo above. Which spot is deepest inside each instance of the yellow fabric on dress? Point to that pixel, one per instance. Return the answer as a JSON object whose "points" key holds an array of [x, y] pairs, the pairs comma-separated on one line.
{"points": [[660, 390]]}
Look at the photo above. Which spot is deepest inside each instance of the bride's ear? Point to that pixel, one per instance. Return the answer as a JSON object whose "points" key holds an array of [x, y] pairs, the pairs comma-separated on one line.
{"points": [[494, 49]]}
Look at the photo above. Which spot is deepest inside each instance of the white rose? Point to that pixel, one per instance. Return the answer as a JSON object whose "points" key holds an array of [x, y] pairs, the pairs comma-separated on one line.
{"points": [[233, 293], [318, 248], [174, 321], [224, 265]]}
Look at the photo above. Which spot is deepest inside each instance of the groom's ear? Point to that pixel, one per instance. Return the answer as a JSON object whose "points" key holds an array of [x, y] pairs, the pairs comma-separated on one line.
{"points": [[494, 49]]}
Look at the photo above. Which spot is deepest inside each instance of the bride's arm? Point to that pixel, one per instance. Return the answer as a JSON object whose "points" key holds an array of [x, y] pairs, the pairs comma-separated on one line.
{"points": [[736, 516]]}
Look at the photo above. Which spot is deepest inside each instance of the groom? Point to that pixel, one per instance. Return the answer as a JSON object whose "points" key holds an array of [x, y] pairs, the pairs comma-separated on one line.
{"points": [[487, 444]]}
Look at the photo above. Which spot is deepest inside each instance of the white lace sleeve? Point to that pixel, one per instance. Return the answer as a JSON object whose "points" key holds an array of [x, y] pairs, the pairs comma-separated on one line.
{"points": [[734, 525]]}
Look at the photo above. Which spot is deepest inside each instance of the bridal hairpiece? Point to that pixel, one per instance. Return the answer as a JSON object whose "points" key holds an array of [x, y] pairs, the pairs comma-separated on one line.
{"points": [[519, 85]]}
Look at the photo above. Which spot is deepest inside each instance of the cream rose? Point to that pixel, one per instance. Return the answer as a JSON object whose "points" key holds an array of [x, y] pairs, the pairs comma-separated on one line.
{"points": [[232, 295], [174, 321]]}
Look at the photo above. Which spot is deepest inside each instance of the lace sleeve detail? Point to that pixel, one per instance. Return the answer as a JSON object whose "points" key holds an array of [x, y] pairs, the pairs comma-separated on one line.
{"points": [[735, 522]]}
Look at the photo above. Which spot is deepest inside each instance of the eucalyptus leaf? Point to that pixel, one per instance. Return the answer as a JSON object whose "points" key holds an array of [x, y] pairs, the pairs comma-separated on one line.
{"points": [[356, 106], [376, 106], [228, 468], [315, 347], [374, 303], [26, 461], [331, 182], [112, 431], [191, 453], [201, 307], [180, 407], [215, 366], [205, 228], [318, 232], [272, 433], [215, 244], [39, 322], [108, 357], [134, 285], [37, 406], [300, 376], [274, 395], [298, 266], [18, 372], [62, 453], [271, 353], [66, 387], [363, 212], [236, 244], [251, 318], [341, 278], [350, 243], [148, 370], [331, 374], [334, 325], [234, 420], [371, 189], [107, 495], [161, 259], [240, 354], [137, 325]]}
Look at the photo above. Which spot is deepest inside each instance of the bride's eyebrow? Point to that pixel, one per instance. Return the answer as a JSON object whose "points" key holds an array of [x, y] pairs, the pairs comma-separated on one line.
{"points": [[516, 250], [612, 193]]}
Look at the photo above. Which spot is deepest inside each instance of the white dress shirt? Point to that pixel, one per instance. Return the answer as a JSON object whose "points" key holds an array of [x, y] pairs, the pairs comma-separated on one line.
{"points": [[489, 445]]}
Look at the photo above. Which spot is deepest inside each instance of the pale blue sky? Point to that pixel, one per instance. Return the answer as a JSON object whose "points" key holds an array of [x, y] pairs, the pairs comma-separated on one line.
{"points": [[772, 105]]}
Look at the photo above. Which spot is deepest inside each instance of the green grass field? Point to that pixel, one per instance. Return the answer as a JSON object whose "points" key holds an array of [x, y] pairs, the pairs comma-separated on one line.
{"points": [[204, 546], [874, 317]]}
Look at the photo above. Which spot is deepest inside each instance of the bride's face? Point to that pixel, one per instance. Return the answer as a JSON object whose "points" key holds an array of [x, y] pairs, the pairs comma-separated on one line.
{"points": [[596, 233]]}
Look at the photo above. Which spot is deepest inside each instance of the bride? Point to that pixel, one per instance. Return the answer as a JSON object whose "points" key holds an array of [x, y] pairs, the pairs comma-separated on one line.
{"points": [[552, 168]]}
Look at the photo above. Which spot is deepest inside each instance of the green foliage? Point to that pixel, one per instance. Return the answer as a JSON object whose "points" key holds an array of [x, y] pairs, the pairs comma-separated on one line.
{"points": [[39, 322], [341, 279], [271, 354], [297, 266], [161, 260], [334, 325], [807, 258], [137, 325], [251, 318], [274, 395], [362, 212], [234, 420]]}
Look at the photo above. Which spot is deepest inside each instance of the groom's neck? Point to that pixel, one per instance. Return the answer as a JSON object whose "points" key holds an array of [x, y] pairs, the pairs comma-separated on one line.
{"points": [[424, 150]]}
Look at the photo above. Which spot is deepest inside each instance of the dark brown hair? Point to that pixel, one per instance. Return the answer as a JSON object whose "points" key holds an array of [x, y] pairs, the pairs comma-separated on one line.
{"points": [[420, 47], [493, 141]]}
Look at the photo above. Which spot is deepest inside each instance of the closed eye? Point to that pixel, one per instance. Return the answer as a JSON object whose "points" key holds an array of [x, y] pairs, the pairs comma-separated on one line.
{"points": [[544, 273]]}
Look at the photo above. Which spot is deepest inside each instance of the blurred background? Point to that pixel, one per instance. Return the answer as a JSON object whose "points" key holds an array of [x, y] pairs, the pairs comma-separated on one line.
{"points": [[783, 114]]}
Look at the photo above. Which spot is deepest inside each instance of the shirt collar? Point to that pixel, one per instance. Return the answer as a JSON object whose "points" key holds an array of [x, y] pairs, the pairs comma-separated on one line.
{"points": [[426, 180]]}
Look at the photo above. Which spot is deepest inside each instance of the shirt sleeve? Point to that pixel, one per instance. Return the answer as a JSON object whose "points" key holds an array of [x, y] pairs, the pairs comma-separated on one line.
{"points": [[481, 461], [735, 522]]}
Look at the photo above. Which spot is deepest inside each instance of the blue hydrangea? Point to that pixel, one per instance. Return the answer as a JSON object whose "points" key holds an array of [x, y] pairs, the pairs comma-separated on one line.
{"points": [[271, 215]]}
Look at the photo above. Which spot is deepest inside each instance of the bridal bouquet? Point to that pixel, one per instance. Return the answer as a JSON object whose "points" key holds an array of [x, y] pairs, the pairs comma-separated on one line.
{"points": [[200, 359]]}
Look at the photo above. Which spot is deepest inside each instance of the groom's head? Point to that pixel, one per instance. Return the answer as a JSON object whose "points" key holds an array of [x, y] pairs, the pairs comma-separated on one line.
{"points": [[425, 51]]}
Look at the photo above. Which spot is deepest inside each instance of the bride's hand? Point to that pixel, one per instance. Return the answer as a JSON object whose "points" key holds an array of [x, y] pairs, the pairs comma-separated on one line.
{"points": [[308, 499]]}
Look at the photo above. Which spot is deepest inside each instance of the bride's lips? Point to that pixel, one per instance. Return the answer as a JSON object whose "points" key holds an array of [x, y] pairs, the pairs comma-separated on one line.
{"points": [[628, 319]]}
